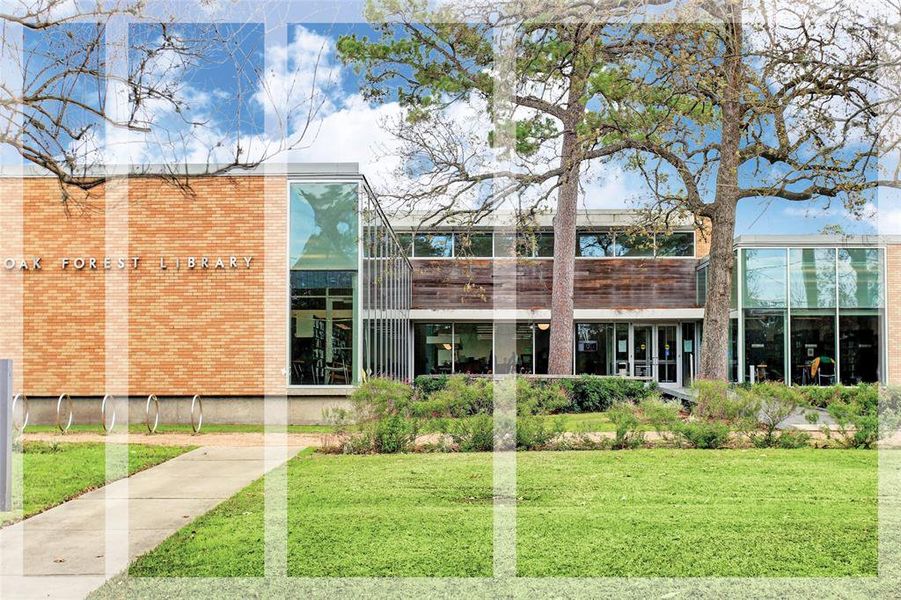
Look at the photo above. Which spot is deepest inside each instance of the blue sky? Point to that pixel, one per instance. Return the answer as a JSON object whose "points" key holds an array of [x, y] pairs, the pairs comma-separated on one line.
{"points": [[348, 128]]}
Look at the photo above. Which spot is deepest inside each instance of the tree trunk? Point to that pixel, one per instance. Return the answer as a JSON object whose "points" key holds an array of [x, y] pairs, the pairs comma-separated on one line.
{"points": [[715, 346], [561, 351]]}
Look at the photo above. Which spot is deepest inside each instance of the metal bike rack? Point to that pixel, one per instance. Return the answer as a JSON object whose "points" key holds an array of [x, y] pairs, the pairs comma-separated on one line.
{"points": [[196, 423], [108, 404], [26, 407], [152, 399], [59, 407]]}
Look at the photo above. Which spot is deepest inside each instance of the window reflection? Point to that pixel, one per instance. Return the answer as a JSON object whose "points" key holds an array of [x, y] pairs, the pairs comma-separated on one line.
{"points": [[812, 277], [433, 245]]}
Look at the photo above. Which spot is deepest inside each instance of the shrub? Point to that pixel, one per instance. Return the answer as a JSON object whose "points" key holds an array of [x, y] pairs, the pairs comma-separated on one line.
{"points": [[379, 397], [591, 393], [791, 440], [535, 433], [662, 416], [427, 384], [459, 397], [716, 401], [381, 410], [624, 417], [703, 434], [771, 404], [473, 434], [540, 397]]}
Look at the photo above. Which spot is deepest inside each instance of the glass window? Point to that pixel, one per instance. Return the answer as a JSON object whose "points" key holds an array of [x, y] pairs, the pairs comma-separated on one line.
{"points": [[515, 357], [323, 257], [689, 352], [544, 244], [474, 348], [505, 244], [474, 244], [433, 245], [764, 272], [594, 349], [622, 348], [860, 277], [765, 344], [433, 348], [322, 327], [323, 226], [594, 244], [634, 245], [813, 348], [406, 242], [859, 345], [702, 286], [681, 243], [812, 272], [542, 347], [733, 350]]}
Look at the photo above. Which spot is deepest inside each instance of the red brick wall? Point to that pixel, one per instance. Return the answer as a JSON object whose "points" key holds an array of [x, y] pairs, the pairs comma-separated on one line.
{"points": [[188, 331]]}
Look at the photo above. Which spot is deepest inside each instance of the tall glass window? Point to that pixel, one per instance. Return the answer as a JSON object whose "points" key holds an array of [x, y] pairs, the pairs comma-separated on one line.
{"points": [[765, 344], [813, 348], [323, 261], [542, 347], [860, 277], [764, 277], [859, 338], [812, 277], [474, 348], [434, 348], [595, 349]]}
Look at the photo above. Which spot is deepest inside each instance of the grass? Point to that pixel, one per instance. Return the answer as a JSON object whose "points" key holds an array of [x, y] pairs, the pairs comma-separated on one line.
{"points": [[54, 473], [571, 422], [666, 513]]}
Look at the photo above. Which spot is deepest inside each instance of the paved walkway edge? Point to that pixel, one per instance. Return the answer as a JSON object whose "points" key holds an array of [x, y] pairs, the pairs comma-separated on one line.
{"points": [[73, 549]]}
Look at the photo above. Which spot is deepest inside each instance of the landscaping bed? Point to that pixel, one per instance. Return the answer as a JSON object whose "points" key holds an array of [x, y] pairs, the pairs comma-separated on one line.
{"points": [[662, 512]]}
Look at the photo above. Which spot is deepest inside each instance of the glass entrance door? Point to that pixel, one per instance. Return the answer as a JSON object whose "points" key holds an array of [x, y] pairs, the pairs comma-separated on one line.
{"points": [[641, 342], [667, 363]]}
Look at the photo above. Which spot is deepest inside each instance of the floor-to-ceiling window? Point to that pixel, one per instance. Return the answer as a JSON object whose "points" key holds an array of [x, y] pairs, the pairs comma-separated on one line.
{"points": [[813, 318], [433, 348], [764, 301], [475, 348], [860, 294], [595, 349], [323, 262]]}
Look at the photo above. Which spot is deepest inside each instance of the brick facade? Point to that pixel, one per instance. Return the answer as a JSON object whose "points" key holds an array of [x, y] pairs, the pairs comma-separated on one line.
{"points": [[185, 331]]}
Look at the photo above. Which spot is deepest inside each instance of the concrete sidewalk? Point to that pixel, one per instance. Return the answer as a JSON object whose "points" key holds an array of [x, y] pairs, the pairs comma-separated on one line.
{"points": [[70, 550]]}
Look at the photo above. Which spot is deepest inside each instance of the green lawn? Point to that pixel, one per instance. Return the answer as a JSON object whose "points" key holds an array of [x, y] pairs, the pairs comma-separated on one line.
{"points": [[634, 513], [54, 473], [571, 422]]}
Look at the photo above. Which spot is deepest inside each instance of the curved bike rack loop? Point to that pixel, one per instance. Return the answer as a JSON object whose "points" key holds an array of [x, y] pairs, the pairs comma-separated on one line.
{"points": [[59, 407], [196, 423], [108, 404], [26, 407], [152, 399]]}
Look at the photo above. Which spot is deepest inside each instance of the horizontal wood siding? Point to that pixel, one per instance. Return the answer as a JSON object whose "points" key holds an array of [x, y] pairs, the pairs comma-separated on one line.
{"points": [[601, 284]]}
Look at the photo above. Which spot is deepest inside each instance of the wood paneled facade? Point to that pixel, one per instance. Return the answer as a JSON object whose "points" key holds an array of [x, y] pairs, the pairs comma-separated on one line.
{"points": [[620, 284]]}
